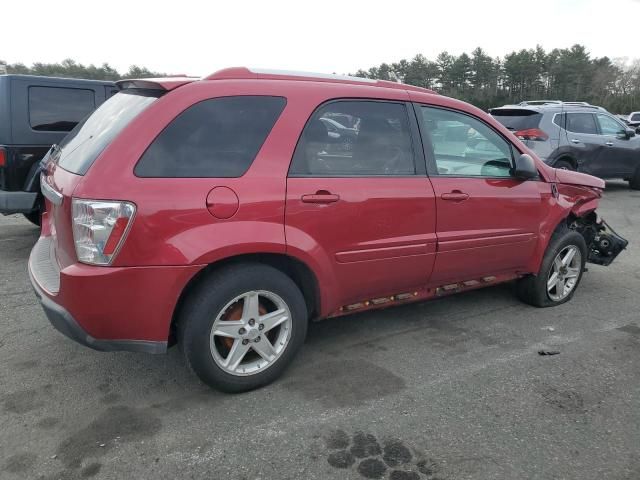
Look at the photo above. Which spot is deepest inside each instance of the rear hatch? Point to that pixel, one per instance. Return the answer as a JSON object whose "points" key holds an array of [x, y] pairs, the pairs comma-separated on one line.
{"points": [[523, 122], [66, 164]]}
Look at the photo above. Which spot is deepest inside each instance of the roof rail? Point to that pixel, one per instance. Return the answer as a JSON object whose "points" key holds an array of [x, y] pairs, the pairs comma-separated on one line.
{"points": [[238, 73], [539, 102]]}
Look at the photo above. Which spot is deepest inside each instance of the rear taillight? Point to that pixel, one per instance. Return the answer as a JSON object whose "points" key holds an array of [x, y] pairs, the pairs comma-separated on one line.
{"points": [[99, 229], [3, 157], [532, 134]]}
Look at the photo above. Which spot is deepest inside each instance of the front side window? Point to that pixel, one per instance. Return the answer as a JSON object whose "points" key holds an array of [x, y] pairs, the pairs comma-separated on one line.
{"points": [[608, 126], [355, 138], [219, 137], [55, 109], [581, 123], [464, 146]]}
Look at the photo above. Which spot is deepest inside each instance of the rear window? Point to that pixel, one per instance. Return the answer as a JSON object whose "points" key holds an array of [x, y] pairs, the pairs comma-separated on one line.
{"points": [[89, 138], [517, 119], [635, 117], [55, 109], [219, 138]]}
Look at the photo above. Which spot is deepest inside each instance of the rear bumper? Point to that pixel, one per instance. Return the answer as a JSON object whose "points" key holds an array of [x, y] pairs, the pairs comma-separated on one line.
{"points": [[108, 308], [64, 322], [17, 202]]}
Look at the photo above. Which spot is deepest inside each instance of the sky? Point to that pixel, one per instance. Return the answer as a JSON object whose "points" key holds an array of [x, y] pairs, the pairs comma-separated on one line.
{"points": [[330, 36]]}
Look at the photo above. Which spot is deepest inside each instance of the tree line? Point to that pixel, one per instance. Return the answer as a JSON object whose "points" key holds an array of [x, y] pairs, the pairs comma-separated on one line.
{"points": [[569, 74], [69, 68]]}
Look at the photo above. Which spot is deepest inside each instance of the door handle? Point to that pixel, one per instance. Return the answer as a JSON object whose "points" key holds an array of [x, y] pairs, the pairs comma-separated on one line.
{"points": [[609, 144], [321, 196], [455, 196], [574, 140]]}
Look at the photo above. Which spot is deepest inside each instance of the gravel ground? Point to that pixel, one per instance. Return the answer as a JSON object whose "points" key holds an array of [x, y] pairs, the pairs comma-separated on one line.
{"points": [[448, 389]]}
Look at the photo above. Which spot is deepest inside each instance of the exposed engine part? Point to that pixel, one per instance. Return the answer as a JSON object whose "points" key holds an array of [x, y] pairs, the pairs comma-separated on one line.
{"points": [[603, 242]]}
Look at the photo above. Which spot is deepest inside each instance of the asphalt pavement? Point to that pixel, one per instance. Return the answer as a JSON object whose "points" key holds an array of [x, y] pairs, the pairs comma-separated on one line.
{"points": [[449, 389]]}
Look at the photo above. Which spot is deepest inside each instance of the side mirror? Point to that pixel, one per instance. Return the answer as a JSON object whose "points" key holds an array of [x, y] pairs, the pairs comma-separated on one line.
{"points": [[525, 167], [629, 132]]}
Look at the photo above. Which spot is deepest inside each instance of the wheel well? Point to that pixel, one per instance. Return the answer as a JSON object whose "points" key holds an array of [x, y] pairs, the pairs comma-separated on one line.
{"points": [[298, 271], [566, 158]]}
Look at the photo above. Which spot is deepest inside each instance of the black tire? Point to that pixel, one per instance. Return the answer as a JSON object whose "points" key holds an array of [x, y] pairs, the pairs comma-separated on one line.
{"points": [[203, 305], [533, 288], [634, 181], [564, 165], [34, 217]]}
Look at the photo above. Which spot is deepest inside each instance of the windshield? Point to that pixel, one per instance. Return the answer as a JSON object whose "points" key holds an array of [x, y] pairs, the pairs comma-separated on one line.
{"points": [[90, 137]]}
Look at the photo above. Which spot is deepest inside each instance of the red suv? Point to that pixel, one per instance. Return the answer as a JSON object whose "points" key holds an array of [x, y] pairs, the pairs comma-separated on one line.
{"points": [[225, 213]]}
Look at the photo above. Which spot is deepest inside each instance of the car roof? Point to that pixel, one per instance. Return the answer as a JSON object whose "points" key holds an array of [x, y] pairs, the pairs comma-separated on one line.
{"points": [[243, 73], [551, 108]]}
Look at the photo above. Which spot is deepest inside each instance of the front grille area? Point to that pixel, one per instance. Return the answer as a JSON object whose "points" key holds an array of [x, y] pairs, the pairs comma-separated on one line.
{"points": [[44, 266]]}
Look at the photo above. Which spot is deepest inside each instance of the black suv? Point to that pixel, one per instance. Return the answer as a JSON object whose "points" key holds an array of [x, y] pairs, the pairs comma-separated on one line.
{"points": [[36, 112], [576, 136]]}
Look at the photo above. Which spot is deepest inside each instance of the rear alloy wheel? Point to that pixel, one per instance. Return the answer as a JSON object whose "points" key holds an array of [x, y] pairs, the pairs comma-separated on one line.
{"points": [[250, 333], [241, 327], [560, 272]]}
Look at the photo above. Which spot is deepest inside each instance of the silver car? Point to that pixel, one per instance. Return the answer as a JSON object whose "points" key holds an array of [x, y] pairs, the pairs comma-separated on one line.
{"points": [[576, 136]]}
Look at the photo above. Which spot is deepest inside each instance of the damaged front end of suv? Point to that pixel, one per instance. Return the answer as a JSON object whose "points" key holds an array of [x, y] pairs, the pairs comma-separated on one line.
{"points": [[603, 242], [582, 192]]}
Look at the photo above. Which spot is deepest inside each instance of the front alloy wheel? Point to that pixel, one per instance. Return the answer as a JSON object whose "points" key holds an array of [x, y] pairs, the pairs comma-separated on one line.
{"points": [[564, 273]]}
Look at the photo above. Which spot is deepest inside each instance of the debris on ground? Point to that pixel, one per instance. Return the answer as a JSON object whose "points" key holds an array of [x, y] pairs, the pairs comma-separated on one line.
{"points": [[548, 352]]}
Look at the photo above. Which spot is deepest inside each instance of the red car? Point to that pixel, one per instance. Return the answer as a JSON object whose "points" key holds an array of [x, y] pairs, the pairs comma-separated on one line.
{"points": [[221, 214]]}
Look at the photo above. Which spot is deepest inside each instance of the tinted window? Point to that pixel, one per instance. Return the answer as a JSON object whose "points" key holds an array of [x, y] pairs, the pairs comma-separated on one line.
{"points": [[214, 138], [376, 142], [581, 123], [608, 126], [635, 117], [89, 138], [560, 119], [58, 109], [517, 119], [463, 145]]}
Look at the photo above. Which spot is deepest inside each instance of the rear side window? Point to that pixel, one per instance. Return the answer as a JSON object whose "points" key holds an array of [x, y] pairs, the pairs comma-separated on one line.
{"points": [[517, 119], [56, 109], [219, 137], [89, 138], [581, 123], [355, 138]]}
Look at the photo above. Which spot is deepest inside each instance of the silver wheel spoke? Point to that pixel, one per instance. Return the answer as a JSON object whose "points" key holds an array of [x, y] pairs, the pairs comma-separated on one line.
{"points": [[560, 286], [273, 319], [265, 349], [572, 273], [228, 328], [251, 306], [236, 354], [553, 279], [569, 256], [557, 264]]}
